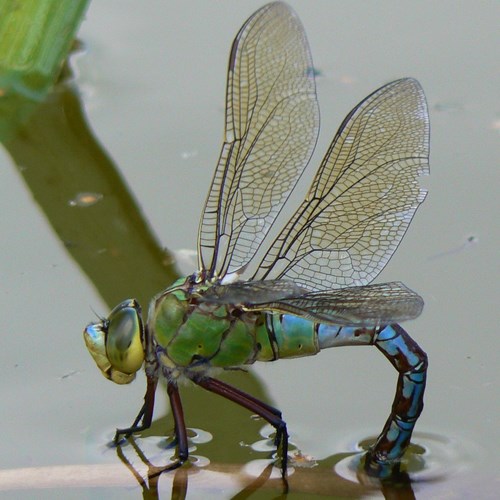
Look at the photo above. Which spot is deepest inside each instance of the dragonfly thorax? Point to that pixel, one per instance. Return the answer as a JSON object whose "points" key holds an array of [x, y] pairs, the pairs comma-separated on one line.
{"points": [[193, 335]]}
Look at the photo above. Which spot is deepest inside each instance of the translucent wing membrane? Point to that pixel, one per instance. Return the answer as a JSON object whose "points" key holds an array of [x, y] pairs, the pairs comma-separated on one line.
{"points": [[362, 198], [368, 305], [253, 292], [271, 129]]}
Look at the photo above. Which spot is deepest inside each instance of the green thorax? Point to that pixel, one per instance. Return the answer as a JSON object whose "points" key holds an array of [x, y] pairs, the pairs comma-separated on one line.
{"points": [[193, 332]]}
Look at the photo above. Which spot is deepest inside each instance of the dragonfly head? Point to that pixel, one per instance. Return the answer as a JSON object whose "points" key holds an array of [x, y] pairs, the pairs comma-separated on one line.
{"points": [[117, 342]]}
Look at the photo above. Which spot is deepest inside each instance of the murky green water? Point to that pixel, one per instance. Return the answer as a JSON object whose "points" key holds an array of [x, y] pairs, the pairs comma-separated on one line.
{"points": [[152, 85]]}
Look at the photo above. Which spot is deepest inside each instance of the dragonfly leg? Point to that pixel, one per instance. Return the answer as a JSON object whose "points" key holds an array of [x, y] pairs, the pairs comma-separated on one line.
{"points": [[145, 415], [180, 431], [235, 390], [180, 425], [411, 363], [267, 412]]}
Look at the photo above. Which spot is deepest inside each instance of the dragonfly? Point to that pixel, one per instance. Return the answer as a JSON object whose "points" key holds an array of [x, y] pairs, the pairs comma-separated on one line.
{"points": [[262, 297]]}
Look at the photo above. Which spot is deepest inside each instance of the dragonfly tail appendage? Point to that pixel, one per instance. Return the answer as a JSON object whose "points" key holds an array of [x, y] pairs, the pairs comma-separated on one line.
{"points": [[411, 362], [267, 412]]}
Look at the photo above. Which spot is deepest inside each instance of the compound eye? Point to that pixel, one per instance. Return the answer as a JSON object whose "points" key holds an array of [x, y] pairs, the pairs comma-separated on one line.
{"points": [[124, 338]]}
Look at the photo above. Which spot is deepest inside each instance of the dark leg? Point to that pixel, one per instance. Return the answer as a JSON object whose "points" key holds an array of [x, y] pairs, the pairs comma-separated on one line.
{"points": [[180, 425], [145, 415], [180, 435], [411, 363], [268, 413], [249, 397], [180, 431]]}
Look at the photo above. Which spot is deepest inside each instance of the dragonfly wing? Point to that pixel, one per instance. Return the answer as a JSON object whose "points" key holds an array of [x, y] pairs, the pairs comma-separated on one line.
{"points": [[272, 122], [369, 305], [249, 293], [362, 198]]}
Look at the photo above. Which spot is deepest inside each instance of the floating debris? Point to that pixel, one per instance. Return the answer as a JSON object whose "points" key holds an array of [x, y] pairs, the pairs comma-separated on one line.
{"points": [[85, 199]]}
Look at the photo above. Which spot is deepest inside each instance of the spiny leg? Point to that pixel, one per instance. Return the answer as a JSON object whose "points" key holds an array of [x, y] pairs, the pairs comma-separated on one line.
{"points": [[145, 414], [268, 413], [411, 363]]}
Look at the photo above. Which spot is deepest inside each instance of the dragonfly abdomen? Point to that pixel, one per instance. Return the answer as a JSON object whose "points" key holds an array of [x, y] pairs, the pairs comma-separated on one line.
{"points": [[290, 336], [293, 336]]}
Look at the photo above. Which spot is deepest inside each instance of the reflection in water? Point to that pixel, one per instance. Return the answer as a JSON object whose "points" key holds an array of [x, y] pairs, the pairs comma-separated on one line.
{"points": [[433, 459], [65, 168], [149, 482]]}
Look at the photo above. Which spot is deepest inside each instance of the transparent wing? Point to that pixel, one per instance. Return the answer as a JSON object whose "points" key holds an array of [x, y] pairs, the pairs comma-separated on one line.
{"points": [[272, 122], [253, 292], [362, 198], [368, 305]]}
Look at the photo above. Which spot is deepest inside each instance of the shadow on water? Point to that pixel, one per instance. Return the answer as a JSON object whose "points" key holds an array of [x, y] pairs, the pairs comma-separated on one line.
{"points": [[87, 202]]}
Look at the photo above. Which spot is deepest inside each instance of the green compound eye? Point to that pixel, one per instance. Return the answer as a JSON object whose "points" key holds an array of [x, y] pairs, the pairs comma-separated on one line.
{"points": [[116, 343], [124, 338]]}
